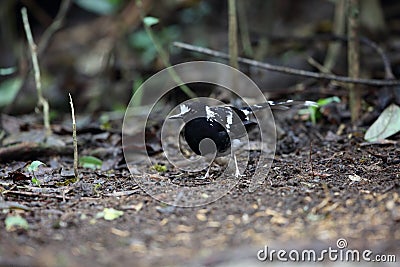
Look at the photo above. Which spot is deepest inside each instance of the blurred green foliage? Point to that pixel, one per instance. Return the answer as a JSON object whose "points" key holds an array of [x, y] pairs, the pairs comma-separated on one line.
{"points": [[8, 90], [101, 7], [143, 44]]}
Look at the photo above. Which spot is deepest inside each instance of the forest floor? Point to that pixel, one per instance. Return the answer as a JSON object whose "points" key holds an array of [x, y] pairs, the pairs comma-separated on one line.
{"points": [[336, 188]]}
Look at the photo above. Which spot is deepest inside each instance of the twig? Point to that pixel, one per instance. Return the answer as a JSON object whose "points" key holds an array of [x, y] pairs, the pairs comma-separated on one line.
{"points": [[74, 139], [321, 68], [13, 205], [353, 55], [26, 150], [338, 38], [386, 63], [288, 70], [233, 42], [34, 194], [122, 193], [55, 26], [338, 29], [318, 65], [33, 48], [244, 28]]}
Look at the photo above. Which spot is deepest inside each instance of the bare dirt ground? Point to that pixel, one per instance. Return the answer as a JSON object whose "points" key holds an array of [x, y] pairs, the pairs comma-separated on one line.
{"points": [[337, 187]]}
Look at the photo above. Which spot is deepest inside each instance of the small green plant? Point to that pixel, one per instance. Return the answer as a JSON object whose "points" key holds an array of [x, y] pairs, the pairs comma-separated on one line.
{"points": [[159, 168], [97, 188], [34, 166], [105, 123], [315, 112]]}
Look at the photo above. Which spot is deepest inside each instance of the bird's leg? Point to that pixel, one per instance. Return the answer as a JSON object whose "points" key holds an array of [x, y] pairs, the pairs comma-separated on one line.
{"points": [[237, 172], [207, 175]]}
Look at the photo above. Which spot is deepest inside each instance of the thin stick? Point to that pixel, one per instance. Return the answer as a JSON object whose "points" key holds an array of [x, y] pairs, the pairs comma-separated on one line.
{"points": [[288, 70], [74, 139], [34, 194], [233, 40], [123, 193], [35, 62], [338, 29], [386, 63], [353, 57], [244, 28], [55, 26]]}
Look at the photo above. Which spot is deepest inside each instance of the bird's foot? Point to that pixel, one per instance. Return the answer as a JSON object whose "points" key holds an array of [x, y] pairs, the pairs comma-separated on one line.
{"points": [[207, 175], [238, 174], [237, 171]]}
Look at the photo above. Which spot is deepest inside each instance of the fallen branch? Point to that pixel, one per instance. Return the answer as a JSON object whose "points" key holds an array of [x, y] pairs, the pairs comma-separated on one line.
{"points": [[27, 150], [34, 194], [288, 70], [122, 193]]}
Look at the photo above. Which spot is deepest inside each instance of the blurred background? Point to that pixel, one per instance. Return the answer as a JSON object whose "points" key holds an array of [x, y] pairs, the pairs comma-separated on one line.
{"points": [[101, 53]]}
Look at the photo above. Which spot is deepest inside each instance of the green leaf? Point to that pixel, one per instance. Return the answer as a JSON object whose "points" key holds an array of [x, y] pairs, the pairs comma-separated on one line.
{"points": [[35, 181], [7, 71], [325, 101], [90, 162], [314, 112], [101, 7], [8, 90], [386, 125], [13, 222], [35, 165], [150, 21], [160, 168], [109, 214]]}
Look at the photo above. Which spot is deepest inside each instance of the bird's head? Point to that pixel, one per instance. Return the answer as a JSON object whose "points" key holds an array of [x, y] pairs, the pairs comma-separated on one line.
{"points": [[189, 111]]}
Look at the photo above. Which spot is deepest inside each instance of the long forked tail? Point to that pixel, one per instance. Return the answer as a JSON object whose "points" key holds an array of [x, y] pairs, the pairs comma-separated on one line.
{"points": [[284, 105]]}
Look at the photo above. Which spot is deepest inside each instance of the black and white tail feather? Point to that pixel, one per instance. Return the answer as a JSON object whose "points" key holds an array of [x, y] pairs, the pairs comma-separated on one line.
{"points": [[283, 105]]}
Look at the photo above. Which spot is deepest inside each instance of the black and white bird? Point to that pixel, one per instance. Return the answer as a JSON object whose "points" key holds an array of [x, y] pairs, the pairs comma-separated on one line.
{"points": [[223, 125]]}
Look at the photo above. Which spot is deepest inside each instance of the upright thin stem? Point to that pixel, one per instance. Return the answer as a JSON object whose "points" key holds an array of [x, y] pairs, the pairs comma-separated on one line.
{"points": [[35, 62], [353, 10], [233, 41], [244, 28], [74, 139], [338, 29]]}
